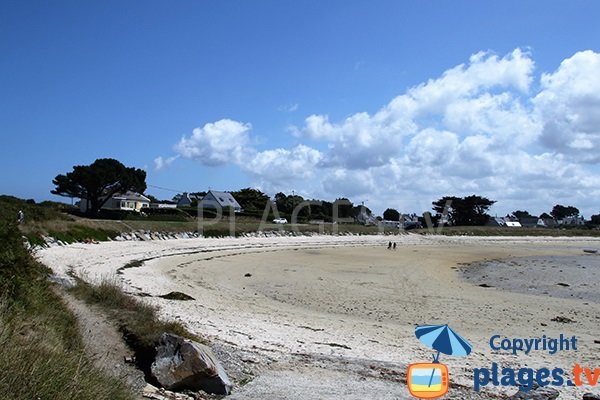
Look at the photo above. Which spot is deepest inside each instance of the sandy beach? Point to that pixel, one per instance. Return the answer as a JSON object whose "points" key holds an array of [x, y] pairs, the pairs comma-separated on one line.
{"points": [[333, 317]]}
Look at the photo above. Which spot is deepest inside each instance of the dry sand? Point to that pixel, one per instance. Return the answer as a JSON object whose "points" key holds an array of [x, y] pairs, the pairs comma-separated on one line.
{"points": [[334, 317]]}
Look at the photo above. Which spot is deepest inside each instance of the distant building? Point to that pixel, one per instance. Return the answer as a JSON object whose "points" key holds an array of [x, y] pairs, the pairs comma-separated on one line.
{"points": [[508, 222], [513, 224], [496, 221], [572, 220], [529, 222], [546, 222], [366, 219], [390, 224], [215, 200], [184, 201], [129, 201]]}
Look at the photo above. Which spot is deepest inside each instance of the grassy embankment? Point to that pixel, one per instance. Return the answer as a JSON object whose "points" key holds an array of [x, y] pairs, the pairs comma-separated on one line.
{"points": [[41, 352], [138, 321], [498, 231], [70, 228], [48, 220]]}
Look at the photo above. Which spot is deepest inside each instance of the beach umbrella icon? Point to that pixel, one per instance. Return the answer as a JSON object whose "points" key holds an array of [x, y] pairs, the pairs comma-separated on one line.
{"points": [[444, 340]]}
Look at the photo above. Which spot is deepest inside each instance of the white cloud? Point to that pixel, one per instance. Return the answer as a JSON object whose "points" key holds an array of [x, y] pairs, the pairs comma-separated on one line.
{"points": [[289, 108], [500, 116], [430, 147], [349, 183], [161, 163], [362, 140], [217, 143], [568, 105], [483, 127], [281, 164]]}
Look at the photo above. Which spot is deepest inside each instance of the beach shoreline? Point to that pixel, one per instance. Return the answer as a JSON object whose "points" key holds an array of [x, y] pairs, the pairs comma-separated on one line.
{"points": [[346, 299]]}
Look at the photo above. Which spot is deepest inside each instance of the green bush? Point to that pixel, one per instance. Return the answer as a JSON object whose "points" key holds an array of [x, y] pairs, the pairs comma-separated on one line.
{"points": [[10, 205]]}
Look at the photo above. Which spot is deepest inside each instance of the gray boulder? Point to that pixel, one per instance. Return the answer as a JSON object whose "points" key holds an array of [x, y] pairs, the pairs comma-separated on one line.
{"points": [[182, 364]]}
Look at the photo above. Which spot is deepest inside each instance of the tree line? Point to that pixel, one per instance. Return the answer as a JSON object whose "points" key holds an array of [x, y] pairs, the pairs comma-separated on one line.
{"points": [[97, 182]]}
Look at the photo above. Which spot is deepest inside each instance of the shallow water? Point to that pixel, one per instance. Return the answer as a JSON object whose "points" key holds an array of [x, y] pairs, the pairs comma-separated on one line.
{"points": [[574, 277]]}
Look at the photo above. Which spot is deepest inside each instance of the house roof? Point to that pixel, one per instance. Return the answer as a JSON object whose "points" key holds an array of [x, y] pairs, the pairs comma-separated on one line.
{"points": [[529, 221], [223, 198], [130, 196], [497, 221], [184, 200]]}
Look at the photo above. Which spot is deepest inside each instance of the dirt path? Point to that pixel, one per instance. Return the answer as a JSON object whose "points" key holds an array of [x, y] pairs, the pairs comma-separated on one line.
{"points": [[104, 344]]}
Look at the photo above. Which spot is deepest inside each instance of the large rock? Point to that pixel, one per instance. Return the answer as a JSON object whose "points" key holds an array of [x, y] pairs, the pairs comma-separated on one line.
{"points": [[184, 364]]}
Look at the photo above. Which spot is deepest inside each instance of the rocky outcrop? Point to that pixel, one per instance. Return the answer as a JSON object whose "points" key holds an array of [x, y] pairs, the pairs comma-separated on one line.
{"points": [[142, 235], [182, 364]]}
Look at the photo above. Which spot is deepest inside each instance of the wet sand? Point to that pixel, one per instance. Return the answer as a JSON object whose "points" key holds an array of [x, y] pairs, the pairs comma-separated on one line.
{"points": [[344, 309], [573, 276]]}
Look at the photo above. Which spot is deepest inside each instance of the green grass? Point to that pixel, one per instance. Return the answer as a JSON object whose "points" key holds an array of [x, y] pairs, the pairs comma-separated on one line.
{"points": [[499, 231], [42, 355], [39, 360], [136, 318], [50, 219], [33, 212], [82, 234]]}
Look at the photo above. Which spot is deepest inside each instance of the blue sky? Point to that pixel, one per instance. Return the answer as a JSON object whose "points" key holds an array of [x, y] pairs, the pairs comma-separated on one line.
{"points": [[395, 103]]}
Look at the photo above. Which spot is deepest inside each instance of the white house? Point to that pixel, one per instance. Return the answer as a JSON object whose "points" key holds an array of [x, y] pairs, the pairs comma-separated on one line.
{"points": [[215, 200], [390, 224], [572, 220], [129, 201], [504, 222]]}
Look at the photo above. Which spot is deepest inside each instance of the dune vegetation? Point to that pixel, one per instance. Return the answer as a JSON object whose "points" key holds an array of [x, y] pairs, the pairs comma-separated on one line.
{"points": [[41, 350]]}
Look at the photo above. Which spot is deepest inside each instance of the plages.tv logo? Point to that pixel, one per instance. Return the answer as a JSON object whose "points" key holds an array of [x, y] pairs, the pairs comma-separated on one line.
{"points": [[429, 380]]}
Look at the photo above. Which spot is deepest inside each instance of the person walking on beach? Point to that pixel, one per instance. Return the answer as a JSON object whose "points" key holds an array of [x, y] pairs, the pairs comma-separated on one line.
{"points": [[20, 217], [389, 245], [394, 245]]}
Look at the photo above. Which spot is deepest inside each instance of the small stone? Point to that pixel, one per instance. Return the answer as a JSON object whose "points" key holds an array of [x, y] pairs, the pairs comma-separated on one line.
{"points": [[177, 296], [562, 320]]}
